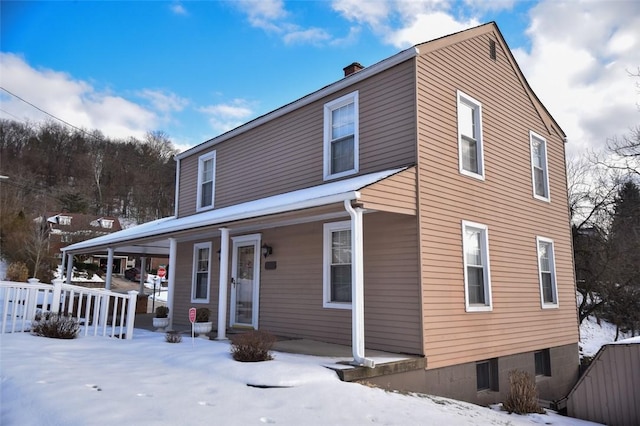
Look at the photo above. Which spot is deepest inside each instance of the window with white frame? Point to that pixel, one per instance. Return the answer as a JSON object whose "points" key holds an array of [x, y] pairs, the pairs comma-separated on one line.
{"points": [[337, 265], [477, 281], [341, 136], [547, 273], [206, 180], [470, 145], [539, 170], [201, 272]]}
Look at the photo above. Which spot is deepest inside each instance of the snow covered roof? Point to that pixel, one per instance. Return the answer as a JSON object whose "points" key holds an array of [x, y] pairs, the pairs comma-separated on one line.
{"points": [[328, 193]]}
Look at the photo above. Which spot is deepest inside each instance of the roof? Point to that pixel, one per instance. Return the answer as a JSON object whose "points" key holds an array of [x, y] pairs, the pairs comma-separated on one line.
{"points": [[321, 195]]}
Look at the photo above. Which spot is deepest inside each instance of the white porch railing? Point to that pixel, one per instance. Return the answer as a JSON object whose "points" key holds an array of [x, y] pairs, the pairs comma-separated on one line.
{"points": [[99, 312]]}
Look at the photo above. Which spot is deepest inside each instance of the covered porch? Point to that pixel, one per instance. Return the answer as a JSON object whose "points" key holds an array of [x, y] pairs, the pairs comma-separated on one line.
{"points": [[391, 191]]}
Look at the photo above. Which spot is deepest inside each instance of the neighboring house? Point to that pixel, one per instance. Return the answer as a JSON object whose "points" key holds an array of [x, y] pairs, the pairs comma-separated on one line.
{"points": [[416, 206], [69, 228], [609, 391]]}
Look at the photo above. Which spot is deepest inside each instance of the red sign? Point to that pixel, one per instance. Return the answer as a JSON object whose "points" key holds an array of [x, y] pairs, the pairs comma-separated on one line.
{"points": [[162, 272], [192, 315]]}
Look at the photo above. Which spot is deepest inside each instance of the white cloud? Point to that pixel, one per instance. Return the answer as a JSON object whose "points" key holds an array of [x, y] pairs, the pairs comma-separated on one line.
{"points": [[164, 101], [179, 9], [74, 101], [226, 116], [428, 26], [308, 36], [264, 14], [581, 53]]}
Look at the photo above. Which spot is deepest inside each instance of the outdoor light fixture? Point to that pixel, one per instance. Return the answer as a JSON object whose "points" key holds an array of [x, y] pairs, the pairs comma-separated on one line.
{"points": [[266, 250]]}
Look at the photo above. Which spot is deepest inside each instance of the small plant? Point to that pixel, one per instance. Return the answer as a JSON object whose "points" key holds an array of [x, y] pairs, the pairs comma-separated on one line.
{"points": [[173, 337], [202, 314], [55, 326], [252, 346], [162, 312], [523, 395], [17, 271]]}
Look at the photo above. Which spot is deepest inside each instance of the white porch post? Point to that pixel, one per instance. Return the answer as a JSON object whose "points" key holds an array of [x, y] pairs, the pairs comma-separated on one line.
{"points": [[222, 286], [69, 267], [143, 270], [171, 285], [357, 287], [110, 251]]}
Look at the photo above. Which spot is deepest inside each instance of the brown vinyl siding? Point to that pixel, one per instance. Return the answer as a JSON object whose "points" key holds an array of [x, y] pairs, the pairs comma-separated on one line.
{"points": [[286, 154], [396, 194], [503, 201], [291, 295]]}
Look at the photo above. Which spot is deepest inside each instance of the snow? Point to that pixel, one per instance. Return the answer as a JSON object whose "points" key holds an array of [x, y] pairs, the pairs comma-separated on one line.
{"points": [[593, 335], [145, 381]]}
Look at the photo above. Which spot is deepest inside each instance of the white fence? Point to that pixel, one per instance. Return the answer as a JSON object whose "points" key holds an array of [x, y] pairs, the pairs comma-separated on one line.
{"points": [[99, 312]]}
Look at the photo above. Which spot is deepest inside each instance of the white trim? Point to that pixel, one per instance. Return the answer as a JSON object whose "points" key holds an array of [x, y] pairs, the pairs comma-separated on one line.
{"points": [[205, 157], [351, 80], [484, 251], [328, 229], [196, 248], [176, 199], [239, 241], [329, 107], [532, 136], [554, 282], [463, 98]]}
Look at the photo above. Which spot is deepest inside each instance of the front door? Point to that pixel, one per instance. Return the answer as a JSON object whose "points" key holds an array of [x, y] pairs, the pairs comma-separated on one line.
{"points": [[245, 280]]}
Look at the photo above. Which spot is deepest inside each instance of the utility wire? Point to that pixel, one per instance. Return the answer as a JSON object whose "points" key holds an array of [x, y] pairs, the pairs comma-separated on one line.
{"points": [[47, 113]]}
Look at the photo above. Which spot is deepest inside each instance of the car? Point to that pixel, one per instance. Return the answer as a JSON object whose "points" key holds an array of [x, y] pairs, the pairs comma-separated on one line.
{"points": [[132, 274]]}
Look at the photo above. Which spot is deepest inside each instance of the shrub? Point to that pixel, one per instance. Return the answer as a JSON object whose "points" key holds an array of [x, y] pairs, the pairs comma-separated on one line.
{"points": [[523, 395], [202, 314], [55, 326], [17, 271], [162, 312], [173, 337], [252, 346]]}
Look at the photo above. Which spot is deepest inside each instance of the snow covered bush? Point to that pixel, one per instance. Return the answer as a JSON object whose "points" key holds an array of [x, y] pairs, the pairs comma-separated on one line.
{"points": [[173, 337], [55, 326], [523, 395], [252, 346]]}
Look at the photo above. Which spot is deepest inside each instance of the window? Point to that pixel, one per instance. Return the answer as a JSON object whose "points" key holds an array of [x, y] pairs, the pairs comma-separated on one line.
{"points": [[539, 173], [547, 272], [201, 272], [543, 362], [206, 180], [477, 280], [341, 137], [64, 220], [487, 375], [337, 265], [470, 150]]}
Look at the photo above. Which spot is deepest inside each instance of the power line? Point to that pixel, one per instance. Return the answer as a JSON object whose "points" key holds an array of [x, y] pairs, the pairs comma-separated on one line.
{"points": [[47, 113]]}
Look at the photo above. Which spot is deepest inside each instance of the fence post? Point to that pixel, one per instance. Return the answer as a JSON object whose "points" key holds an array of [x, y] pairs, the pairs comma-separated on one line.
{"points": [[131, 312], [57, 293]]}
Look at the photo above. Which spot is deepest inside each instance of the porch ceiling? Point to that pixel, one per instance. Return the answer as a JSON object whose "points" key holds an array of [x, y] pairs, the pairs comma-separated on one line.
{"points": [[310, 204]]}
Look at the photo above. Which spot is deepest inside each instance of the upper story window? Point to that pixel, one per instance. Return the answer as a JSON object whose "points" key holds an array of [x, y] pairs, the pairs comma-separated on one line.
{"points": [[470, 148], [201, 272], [539, 170], [64, 220], [547, 273], [206, 180], [337, 265], [341, 136], [477, 279]]}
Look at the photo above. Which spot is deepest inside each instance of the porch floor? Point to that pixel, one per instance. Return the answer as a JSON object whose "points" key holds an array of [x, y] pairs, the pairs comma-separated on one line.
{"points": [[385, 362]]}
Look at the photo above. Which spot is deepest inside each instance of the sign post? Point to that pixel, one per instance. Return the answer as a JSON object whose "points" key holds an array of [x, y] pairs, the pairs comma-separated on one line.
{"points": [[192, 319]]}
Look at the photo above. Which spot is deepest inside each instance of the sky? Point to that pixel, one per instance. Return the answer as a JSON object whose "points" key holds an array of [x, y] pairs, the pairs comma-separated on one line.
{"points": [[195, 69], [146, 381]]}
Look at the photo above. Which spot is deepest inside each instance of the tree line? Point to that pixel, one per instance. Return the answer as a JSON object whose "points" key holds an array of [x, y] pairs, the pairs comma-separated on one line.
{"points": [[49, 167]]}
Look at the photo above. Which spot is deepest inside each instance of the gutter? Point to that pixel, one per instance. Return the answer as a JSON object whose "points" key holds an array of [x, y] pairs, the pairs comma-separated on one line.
{"points": [[357, 287]]}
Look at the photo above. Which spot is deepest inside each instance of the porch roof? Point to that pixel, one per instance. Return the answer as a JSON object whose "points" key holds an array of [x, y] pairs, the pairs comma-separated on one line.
{"points": [[143, 239]]}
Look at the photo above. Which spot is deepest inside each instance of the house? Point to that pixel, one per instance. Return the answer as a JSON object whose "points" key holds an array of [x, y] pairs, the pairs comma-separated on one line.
{"points": [[68, 228], [609, 390], [415, 206]]}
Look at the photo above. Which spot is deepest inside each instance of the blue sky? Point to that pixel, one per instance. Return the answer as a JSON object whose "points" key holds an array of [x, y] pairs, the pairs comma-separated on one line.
{"points": [[195, 69]]}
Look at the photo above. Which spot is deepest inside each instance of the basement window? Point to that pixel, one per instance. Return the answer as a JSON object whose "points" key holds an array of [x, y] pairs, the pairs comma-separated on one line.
{"points": [[487, 375], [543, 362]]}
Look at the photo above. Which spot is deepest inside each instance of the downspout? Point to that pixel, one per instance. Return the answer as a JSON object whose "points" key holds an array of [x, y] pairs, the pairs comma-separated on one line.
{"points": [[222, 283], [357, 287], [171, 285], [175, 202]]}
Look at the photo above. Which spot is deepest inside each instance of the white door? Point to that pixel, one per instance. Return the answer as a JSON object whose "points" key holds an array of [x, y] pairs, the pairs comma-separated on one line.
{"points": [[245, 281]]}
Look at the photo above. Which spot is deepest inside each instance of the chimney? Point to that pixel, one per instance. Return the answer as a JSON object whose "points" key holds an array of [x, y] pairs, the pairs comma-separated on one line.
{"points": [[352, 69]]}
